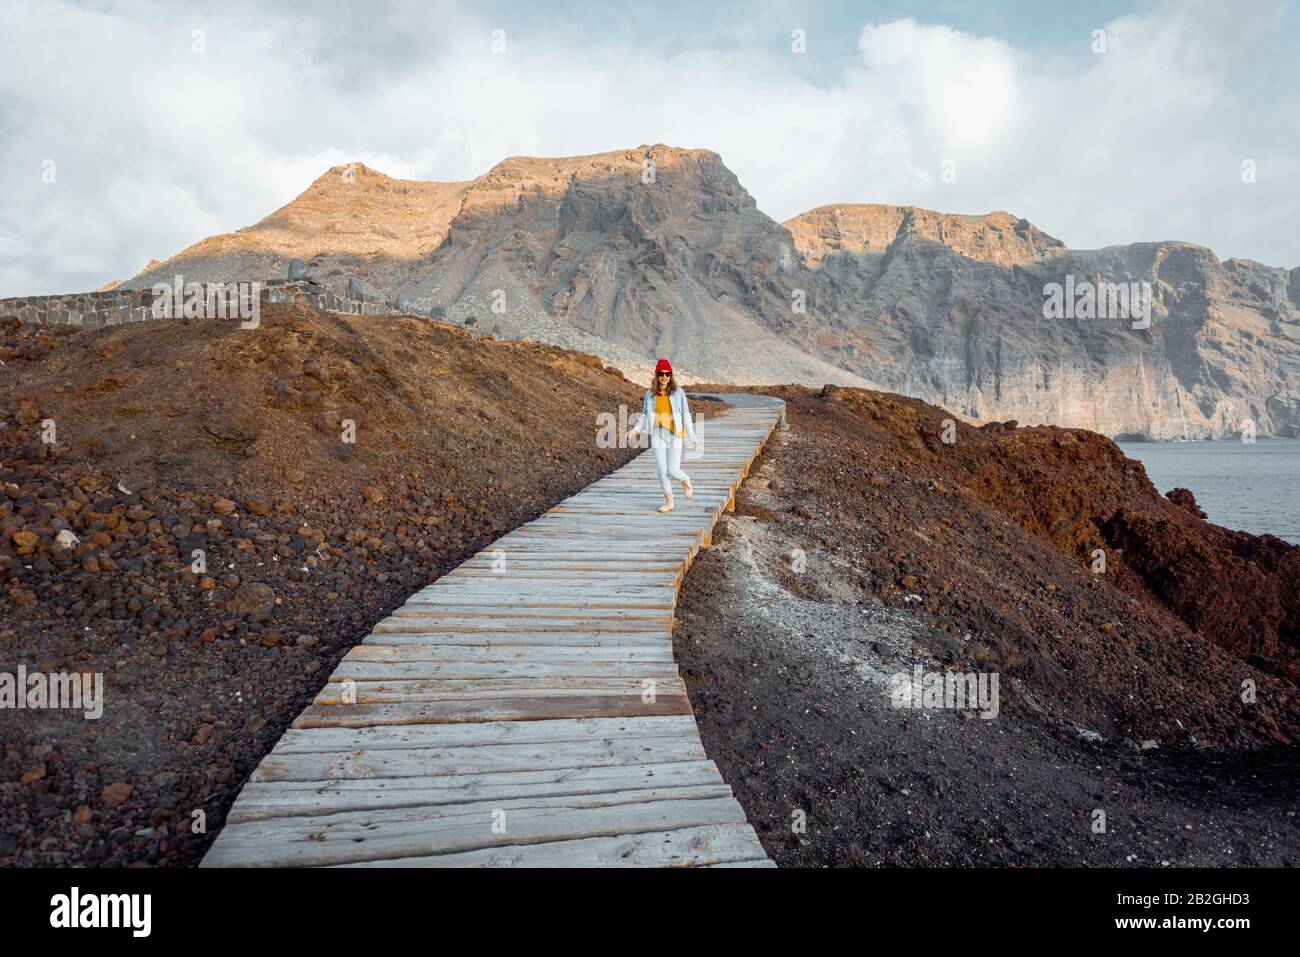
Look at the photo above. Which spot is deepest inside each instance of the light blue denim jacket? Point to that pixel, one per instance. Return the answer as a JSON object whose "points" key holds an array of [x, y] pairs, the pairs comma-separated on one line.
{"points": [[681, 412]]}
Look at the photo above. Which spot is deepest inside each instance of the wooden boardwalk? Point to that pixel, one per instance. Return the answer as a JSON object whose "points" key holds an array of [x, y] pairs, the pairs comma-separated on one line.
{"points": [[525, 709]]}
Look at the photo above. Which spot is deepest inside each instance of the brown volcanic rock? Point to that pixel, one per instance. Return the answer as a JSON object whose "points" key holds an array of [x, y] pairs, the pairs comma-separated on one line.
{"points": [[1077, 490], [458, 439], [1241, 590], [1124, 690], [254, 601], [1184, 499], [998, 535]]}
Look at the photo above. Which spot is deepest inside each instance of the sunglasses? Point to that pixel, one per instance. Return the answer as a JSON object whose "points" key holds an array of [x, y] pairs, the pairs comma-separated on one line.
{"points": [[665, 375]]}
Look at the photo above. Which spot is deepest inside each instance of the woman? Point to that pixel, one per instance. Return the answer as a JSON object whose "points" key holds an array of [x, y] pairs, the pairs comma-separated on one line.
{"points": [[668, 416]]}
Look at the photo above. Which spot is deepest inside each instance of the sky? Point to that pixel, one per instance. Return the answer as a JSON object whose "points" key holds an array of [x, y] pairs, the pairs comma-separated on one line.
{"points": [[129, 130]]}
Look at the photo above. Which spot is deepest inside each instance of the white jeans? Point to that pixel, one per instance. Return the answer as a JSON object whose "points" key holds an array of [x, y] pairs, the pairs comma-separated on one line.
{"points": [[668, 457]]}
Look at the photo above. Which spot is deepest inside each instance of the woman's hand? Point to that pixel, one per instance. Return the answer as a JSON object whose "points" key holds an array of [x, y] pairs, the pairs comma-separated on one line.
{"points": [[695, 443]]}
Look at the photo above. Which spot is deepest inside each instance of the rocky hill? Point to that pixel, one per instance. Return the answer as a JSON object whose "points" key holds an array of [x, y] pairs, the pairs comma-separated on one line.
{"points": [[657, 250], [1148, 660], [190, 441]]}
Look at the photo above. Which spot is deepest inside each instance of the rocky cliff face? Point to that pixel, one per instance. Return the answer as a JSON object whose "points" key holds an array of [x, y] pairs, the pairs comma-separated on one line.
{"points": [[657, 250], [653, 250], [950, 309], [868, 229]]}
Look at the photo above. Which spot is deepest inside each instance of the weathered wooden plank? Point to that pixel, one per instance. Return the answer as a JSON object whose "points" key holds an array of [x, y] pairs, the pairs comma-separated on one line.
{"points": [[260, 800], [431, 762], [306, 740], [396, 692], [352, 837], [763, 862], [396, 654], [540, 671], [720, 845], [525, 612], [537, 625], [555, 639], [629, 588], [502, 709], [578, 589]]}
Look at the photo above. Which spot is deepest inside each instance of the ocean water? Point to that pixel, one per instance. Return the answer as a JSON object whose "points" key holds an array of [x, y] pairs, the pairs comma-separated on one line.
{"points": [[1251, 486]]}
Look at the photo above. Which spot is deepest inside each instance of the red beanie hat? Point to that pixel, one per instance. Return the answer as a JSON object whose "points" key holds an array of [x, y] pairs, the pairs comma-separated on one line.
{"points": [[663, 366]]}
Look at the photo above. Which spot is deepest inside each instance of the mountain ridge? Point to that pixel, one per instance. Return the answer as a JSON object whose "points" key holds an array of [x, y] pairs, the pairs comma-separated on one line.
{"points": [[634, 253]]}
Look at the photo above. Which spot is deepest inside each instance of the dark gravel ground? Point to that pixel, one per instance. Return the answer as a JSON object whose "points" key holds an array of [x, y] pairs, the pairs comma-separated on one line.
{"points": [[789, 673]]}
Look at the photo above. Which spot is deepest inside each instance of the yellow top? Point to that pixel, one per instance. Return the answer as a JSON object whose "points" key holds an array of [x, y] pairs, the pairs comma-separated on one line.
{"points": [[664, 415]]}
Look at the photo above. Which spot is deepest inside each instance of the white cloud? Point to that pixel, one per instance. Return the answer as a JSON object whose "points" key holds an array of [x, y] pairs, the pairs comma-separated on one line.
{"points": [[950, 87], [158, 146]]}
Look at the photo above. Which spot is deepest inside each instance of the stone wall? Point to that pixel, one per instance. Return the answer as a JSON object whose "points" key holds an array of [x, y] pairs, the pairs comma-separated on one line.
{"points": [[117, 306]]}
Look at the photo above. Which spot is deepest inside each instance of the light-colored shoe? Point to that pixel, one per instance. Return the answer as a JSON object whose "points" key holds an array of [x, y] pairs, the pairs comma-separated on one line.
{"points": [[667, 506], [688, 488]]}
